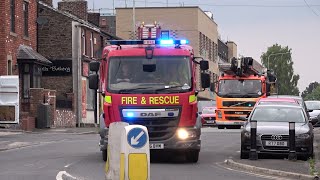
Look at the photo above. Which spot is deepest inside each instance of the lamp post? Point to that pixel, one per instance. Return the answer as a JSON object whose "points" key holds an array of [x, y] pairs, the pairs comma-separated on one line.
{"points": [[134, 20], [276, 54]]}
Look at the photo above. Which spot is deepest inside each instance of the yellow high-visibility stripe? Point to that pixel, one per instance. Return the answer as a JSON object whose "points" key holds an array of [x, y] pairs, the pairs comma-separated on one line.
{"points": [[192, 98]]}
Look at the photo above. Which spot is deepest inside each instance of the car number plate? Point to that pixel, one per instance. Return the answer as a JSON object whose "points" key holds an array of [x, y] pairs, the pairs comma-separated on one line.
{"points": [[210, 121], [276, 143], [157, 146]]}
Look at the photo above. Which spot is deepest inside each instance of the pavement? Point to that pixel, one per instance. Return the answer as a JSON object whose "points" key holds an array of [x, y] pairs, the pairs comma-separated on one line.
{"points": [[10, 138]]}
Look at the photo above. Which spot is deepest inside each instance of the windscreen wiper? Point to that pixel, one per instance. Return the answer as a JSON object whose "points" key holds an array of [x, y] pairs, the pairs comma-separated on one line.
{"points": [[128, 91], [170, 87]]}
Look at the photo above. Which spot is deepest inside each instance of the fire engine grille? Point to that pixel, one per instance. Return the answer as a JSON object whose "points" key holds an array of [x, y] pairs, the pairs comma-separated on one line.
{"points": [[238, 103], [160, 128], [233, 118], [237, 112]]}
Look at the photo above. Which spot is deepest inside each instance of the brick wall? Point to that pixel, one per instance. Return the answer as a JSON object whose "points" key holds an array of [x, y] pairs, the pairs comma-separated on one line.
{"points": [[94, 18], [55, 37], [75, 7], [50, 82], [65, 118], [9, 42]]}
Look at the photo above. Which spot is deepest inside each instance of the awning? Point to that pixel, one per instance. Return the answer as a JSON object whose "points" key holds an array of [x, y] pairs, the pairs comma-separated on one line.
{"points": [[26, 53]]}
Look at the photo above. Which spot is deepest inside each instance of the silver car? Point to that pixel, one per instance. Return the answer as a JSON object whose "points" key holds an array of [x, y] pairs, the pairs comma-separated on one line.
{"points": [[273, 130]]}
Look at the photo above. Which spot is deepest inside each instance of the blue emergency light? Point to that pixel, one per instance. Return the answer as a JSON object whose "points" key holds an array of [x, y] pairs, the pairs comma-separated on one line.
{"points": [[150, 42], [130, 114]]}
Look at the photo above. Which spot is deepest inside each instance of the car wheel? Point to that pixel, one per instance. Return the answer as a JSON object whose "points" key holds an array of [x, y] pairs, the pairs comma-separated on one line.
{"points": [[220, 127]]}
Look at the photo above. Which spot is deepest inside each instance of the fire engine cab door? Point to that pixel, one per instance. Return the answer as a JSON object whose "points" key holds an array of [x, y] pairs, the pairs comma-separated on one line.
{"points": [[9, 99]]}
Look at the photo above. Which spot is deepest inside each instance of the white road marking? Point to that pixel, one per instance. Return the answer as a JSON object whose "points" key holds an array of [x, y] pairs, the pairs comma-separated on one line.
{"points": [[61, 173], [250, 173]]}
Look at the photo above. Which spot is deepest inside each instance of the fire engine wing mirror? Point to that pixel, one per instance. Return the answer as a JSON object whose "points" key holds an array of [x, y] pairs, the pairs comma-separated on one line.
{"points": [[93, 81], [204, 65], [205, 80], [94, 66]]}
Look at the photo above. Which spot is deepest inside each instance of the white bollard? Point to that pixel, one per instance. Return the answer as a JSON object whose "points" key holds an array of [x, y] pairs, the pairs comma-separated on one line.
{"points": [[112, 167], [128, 152]]}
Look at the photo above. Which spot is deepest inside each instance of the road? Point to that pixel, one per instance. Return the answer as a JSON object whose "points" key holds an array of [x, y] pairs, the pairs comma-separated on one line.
{"points": [[67, 155]]}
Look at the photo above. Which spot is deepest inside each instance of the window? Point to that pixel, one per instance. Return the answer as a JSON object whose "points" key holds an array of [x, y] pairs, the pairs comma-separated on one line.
{"points": [[90, 96], [36, 76], [12, 16], [26, 80], [9, 66], [26, 18], [84, 42], [91, 45]]}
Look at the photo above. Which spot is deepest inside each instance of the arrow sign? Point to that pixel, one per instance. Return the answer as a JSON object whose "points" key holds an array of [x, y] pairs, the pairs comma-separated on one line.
{"points": [[137, 138]]}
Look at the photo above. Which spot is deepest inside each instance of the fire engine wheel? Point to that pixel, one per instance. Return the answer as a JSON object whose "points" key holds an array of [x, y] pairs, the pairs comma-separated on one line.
{"points": [[192, 156], [221, 127], [105, 155]]}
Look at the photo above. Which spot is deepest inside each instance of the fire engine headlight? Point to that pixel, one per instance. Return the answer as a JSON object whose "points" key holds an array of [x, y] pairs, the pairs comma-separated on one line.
{"points": [[184, 134]]}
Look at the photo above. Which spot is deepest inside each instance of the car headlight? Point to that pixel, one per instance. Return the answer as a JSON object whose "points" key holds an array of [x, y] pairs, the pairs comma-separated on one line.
{"points": [[247, 134], [184, 134], [303, 136]]}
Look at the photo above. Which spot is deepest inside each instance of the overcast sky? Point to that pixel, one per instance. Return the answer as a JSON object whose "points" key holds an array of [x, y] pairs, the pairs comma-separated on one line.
{"points": [[256, 24]]}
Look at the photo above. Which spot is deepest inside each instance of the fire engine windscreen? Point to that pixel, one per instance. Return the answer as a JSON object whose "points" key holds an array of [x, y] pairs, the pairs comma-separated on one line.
{"points": [[171, 74], [240, 88]]}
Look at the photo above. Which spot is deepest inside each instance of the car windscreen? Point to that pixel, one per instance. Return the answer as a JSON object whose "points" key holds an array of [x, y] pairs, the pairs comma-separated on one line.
{"points": [[278, 114], [313, 105]]}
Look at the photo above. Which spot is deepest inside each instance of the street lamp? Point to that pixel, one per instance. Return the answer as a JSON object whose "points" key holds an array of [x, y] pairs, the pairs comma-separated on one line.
{"points": [[276, 54]]}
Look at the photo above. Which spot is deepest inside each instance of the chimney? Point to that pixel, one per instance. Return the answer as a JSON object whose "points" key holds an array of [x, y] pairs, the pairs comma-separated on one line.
{"points": [[232, 50], [48, 2], [75, 7], [94, 18]]}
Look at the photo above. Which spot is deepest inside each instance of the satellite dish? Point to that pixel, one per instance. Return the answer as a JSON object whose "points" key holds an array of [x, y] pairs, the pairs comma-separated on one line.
{"points": [[42, 20]]}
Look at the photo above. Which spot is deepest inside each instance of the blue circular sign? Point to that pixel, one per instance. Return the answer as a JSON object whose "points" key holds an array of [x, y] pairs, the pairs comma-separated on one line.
{"points": [[137, 138]]}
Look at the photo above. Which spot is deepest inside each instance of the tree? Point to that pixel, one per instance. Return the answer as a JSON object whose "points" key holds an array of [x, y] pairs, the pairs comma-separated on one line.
{"points": [[278, 59], [314, 95], [309, 89]]}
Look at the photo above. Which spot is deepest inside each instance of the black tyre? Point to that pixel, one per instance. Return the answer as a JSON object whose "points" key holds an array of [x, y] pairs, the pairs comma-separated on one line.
{"points": [[105, 155], [220, 127], [192, 156]]}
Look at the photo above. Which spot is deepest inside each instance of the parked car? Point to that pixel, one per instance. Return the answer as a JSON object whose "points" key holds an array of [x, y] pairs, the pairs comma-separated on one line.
{"points": [[314, 112], [298, 98], [273, 130], [208, 115]]}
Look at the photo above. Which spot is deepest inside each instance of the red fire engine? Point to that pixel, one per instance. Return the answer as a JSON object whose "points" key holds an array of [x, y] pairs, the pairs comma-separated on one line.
{"points": [[152, 82]]}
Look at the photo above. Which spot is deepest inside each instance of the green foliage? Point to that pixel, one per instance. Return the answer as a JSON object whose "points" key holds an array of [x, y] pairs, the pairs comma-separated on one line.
{"points": [[278, 59], [309, 89]]}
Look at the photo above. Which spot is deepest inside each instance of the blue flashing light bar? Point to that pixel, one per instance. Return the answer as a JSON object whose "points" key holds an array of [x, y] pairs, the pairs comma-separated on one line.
{"points": [[130, 114], [150, 42]]}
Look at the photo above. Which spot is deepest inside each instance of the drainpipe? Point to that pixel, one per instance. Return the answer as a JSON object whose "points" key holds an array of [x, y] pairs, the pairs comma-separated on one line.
{"points": [[76, 70]]}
